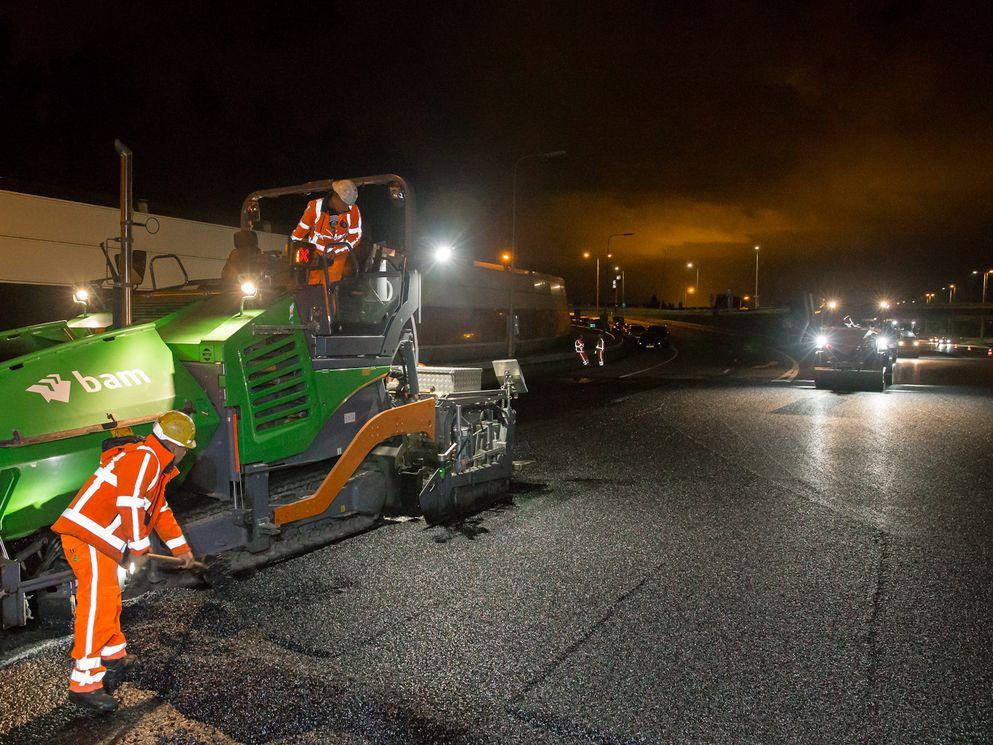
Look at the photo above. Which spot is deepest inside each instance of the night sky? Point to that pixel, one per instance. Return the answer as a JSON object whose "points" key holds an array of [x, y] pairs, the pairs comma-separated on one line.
{"points": [[852, 141]]}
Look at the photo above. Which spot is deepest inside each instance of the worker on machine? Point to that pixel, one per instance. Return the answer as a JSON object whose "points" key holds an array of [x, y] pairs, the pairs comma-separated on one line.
{"points": [[332, 223], [107, 527]]}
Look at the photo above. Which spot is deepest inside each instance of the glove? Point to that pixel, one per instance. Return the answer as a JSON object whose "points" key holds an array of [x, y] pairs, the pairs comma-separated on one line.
{"points": [[187, 560]]}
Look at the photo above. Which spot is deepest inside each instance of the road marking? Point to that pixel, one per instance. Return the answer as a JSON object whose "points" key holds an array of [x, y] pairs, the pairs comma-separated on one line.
{"points": [[726, 371], [765, 366], [675, 353], [790, 374]]}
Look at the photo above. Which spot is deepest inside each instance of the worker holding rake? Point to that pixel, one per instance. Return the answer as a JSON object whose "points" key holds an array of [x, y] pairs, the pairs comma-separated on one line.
{"points": [[106, 528]]}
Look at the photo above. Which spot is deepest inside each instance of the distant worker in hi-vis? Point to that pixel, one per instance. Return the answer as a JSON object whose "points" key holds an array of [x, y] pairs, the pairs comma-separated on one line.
{"points": [[600, 347], [581, 351], [333, 224], [107, 527]]}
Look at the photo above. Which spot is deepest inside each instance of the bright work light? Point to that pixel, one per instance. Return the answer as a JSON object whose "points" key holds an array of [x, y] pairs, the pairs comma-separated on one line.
{"points": [[443, 254]]}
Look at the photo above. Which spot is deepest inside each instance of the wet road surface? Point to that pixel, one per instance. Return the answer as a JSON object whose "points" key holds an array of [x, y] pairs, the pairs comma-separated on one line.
{"points": [[697, 552]]}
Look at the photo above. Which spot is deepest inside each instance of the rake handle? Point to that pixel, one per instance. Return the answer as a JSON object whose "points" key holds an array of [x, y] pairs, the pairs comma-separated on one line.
{"points": [[162, 559]]}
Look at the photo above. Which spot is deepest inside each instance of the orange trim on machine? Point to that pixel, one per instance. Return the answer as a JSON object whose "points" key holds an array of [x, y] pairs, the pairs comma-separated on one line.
{"points": [[400, 420]]}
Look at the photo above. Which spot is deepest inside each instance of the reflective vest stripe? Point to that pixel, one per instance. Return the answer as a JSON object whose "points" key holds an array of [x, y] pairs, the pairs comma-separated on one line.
{"points": [[104, 534]]}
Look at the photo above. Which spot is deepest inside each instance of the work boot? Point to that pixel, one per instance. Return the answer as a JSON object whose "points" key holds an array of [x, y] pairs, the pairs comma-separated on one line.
{"points": [[117, 671], [99, 700]]}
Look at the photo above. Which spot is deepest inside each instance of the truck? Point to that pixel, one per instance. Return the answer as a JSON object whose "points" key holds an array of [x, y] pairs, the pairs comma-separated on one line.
{"points": [[853, 357]]}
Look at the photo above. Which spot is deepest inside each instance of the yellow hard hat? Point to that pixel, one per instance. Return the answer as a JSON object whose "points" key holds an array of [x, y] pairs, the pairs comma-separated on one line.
{"points": [[177, 428]]}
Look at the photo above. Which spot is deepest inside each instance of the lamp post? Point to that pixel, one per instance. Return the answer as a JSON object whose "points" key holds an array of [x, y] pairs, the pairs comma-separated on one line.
{"points": [[691, 265], [609, 255], [952, 291], [756, 293], [511, 325], [982, 318]]}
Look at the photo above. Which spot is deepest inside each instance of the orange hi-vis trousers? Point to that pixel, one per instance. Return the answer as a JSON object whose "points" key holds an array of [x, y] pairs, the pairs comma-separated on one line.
{"points": [[97, 628]]}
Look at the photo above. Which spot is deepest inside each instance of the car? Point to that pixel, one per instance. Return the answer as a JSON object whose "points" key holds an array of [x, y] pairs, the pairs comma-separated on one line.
{"points": [[654, 336], [908, 345], [635, 330]]}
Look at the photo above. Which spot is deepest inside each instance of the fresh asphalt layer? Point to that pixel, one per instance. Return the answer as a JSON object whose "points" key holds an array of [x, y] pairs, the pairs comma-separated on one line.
{"points": [[694, 553]]}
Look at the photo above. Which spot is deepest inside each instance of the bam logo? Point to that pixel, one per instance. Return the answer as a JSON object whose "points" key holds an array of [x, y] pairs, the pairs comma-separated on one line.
{"points": [[54, 388]]}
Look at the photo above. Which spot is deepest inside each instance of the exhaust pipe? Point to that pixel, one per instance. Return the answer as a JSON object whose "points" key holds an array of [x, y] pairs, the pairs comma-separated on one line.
{"points": [[122, 310]]}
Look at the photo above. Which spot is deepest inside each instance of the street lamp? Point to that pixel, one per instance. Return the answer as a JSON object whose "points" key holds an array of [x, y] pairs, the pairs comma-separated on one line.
{"points": [[624, 302], [689, 291], [986, 276], [690, 265], [586, 255], [884, 304], [952, 291], [609, 256], [756, 293], [511, 326], [832, 305]]}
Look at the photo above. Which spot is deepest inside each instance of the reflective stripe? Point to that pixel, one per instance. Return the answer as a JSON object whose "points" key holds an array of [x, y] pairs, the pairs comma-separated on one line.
{"points": [[82, 678], [95, 528], [132, 502], [176, 542], [140, 544], [164, 508], [141, 474], [106, 651], [158, 466], [303, 225], [92, 617], [103, 475], [87, 663]]}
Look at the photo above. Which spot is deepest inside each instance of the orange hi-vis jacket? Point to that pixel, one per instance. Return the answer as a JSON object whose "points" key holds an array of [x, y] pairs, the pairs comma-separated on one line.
{"points": [[124, 501], [323, 229]]}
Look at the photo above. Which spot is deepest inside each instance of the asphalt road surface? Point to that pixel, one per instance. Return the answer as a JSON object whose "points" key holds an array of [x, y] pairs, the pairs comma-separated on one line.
{"points": [[704, 548]]}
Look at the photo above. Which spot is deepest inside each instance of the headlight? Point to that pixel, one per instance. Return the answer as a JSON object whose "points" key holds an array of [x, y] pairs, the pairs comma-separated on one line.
{"points": [[882, 344], [249, 288], [917, 343], [900, 343], [443, 254], [821, 341]]}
